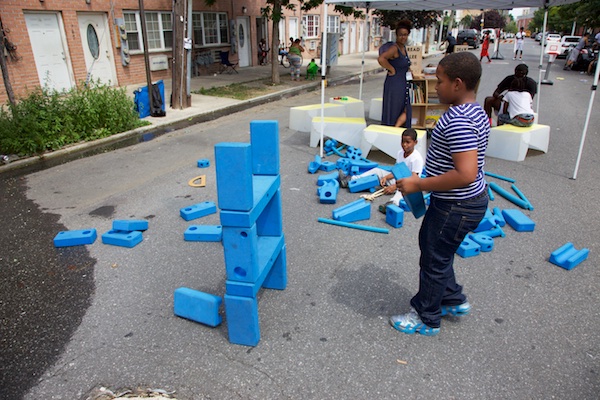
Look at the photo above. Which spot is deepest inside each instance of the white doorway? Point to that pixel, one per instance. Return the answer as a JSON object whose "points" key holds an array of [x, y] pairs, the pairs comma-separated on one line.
{"points": [[352, 37], [282, 38], [50, 51], [243, 41], [293, 30], [97, 49], [361, 37], [346, 38]]}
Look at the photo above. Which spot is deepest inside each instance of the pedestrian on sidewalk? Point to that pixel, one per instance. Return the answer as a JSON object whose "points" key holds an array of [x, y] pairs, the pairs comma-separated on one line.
{"points": [[485, 46], [295, 56], [458, 202]]}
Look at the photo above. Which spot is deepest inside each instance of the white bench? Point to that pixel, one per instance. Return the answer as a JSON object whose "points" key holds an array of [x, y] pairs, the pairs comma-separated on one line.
{"points": [[389, 140], [376, 109], [509, 142], [343, 129], [355, 108], [301, 116]]}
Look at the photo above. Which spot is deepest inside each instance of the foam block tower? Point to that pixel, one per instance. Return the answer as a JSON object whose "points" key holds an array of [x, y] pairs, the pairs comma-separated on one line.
{"points": [[253, 241]]}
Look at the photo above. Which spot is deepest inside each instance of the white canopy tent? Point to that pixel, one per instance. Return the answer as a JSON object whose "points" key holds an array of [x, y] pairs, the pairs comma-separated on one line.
{"points": [[416, 5]]}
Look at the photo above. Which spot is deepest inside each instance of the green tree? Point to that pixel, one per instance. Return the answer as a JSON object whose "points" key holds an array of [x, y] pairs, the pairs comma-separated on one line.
{"points": [[419, 19], [491, 19], [466, 21]]}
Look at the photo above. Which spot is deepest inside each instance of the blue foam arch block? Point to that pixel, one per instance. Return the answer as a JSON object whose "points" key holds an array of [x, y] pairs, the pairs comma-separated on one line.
{"points": [[198, 210], [415, 201], [314, 166], [122, 238], [468, 248], [130, 225], [75, 238], [328, 192], [328, 177], [197, 306], [327, 166], [568, 257], [203, 233]]}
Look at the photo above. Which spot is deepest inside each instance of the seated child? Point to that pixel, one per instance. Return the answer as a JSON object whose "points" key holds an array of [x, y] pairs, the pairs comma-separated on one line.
{"points": [[517, 105], [312, 69], [408, 155]]}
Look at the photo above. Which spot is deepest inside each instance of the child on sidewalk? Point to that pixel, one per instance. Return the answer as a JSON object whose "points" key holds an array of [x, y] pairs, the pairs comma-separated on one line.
{"points": [[312, 69], [454, 167], [408, 155]]}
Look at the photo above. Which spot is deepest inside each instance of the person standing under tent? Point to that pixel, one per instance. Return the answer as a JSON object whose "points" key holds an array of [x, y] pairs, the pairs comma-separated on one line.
{"points": [[396, 109], [519, 39]]}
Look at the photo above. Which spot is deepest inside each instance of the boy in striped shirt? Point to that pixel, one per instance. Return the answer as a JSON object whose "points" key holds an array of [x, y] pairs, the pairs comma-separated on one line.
{"points": [[454, 166]]}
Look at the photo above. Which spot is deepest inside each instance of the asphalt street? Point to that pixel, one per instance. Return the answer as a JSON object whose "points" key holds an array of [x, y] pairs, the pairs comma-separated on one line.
{"points": [[78, 318]]}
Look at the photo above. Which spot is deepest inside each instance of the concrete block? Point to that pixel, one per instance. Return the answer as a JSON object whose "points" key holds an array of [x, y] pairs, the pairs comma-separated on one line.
{"points": [[355, 211], [122, 238], [203, 233], [235, 190], [394, 216], [75, 238], [203, 163], [468, 248], [242, 320], [197, 306], [328, 192], [198, 210], [568, 257], [518, 221], [361, 184], [264, 140], [485, 242], [130, 225], [415, 201]]}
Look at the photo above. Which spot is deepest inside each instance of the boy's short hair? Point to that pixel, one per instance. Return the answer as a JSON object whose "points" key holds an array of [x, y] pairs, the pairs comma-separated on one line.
{"points": [[463, 65], [410, 132]]}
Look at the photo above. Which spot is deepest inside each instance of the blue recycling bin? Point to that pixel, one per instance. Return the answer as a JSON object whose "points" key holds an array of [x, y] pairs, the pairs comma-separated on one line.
{"points": [[142, 100]]}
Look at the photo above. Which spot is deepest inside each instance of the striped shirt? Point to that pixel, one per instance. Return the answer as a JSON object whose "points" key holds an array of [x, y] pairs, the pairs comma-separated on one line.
{"points": [[462, 128]]}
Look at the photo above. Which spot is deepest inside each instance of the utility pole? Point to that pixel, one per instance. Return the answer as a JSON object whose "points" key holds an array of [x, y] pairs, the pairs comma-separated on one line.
{"points": [[180, 98], [4, 67]]}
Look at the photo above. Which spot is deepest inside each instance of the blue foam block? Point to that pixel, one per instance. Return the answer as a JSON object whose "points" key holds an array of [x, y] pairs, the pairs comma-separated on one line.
{"points": [[264, 139], [75, 238], [394, 216], [203, 233], [365, 183], [415, 201], [197, 306], [468, 248], [485, 242], [499, 217], [363, 165], [568, 257], [122, 238], [130, 225], [314, 166], [203, 163], [235, 189], [328, 177], [357, 210], [495, 232], [518, 221], [327, 166], [328, 192], [242, 320], [198, 210]]}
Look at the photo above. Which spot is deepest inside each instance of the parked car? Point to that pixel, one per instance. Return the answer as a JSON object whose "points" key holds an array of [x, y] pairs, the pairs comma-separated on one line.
{"points": [[468, 36], [538, 37], [551, 36], [566, 44]]}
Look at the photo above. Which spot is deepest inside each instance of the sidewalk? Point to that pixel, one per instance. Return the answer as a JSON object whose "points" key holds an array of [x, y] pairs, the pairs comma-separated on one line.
{"points": [[206, 108]]}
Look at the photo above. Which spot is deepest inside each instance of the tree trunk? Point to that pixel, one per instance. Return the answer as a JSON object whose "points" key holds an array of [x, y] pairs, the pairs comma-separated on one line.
{"points": [[4, 67], [275, 78]]}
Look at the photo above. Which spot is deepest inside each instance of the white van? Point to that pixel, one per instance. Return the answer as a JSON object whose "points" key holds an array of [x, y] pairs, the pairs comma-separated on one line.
{"points": [[492, 33]]}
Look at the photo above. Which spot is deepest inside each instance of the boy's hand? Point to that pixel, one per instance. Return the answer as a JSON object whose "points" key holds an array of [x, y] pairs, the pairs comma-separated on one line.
{"points": [[389, 189], [409, 185]]}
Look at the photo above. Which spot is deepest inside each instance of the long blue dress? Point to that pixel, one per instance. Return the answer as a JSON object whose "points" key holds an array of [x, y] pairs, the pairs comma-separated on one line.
{"points": [[395, 93]]}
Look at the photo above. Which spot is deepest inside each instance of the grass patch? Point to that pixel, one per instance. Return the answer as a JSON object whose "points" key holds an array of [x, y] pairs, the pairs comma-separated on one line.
{"points": [[238, 91]]}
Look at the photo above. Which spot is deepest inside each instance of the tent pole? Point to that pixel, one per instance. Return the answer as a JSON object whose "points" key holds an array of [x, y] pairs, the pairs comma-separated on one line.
{"points": [[587, 120], [323, 76], [365, 44], [539, 82]]}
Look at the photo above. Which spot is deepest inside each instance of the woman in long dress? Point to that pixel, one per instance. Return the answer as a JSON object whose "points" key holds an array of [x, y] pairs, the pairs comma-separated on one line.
{"points": [[396, 103]]}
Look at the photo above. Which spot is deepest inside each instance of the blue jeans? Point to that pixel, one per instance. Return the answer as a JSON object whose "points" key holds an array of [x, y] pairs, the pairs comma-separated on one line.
{"points": [[445, 225]]}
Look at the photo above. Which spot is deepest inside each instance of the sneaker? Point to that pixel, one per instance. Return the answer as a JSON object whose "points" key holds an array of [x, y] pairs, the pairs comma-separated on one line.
{"points": [[343, 179], [457, 311], [411, 323], [514, 58]]}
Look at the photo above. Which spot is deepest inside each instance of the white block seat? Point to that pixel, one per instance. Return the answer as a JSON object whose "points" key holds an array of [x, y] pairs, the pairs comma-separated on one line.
{"points": [[346, 130], [376, 109], [355, 108], [389, 140], [301, 116], [509, 142]]}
